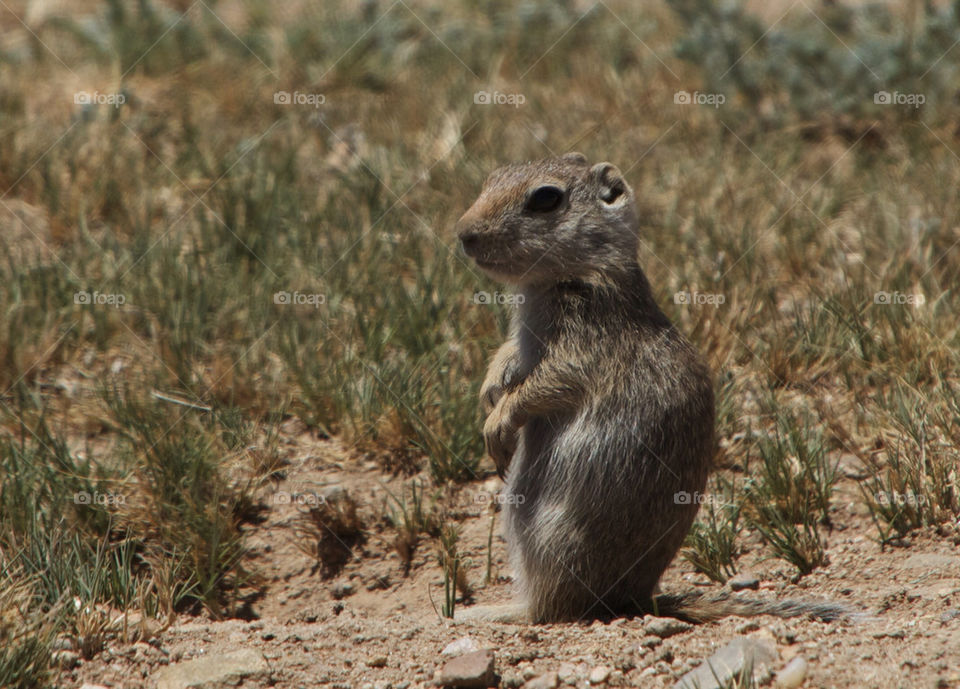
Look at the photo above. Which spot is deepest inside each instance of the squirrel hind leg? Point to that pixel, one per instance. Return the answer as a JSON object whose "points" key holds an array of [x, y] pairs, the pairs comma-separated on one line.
{"points": [[511, 613]]}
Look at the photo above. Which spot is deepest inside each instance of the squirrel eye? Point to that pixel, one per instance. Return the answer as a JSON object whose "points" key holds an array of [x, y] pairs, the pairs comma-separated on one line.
{"points": [[544, 199]]}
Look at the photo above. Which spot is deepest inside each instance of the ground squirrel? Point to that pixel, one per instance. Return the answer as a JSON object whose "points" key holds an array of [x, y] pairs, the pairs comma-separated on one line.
{"points": [[600, 413]]}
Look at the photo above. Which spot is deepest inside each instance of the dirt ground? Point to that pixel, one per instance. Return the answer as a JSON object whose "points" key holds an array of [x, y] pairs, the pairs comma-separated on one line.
{"points": [[372, 625]]}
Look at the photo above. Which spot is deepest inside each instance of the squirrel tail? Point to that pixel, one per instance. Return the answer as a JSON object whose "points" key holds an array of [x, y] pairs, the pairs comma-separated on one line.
{"points": [[697, 608]]}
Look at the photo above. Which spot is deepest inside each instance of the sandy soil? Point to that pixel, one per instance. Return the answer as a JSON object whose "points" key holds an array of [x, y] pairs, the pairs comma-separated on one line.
{"points": [[372, 624]]}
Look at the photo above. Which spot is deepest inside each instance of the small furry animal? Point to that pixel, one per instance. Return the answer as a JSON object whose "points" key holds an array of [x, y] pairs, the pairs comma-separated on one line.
{"points": [[599, 412]]}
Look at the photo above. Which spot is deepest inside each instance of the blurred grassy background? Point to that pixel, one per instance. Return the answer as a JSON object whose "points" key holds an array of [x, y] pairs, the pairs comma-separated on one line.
{"points": [[216, 216]]}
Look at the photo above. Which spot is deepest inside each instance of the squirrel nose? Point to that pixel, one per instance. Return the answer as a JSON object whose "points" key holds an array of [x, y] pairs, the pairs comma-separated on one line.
{"points": [[469, 241], [468, 236]]}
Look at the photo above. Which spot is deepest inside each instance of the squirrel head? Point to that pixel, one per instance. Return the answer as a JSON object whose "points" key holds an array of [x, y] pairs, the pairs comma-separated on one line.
{"points": [[552, 220]]}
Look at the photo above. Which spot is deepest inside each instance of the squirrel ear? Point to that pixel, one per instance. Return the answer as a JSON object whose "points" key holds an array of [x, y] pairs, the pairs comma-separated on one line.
{"points": [[574, 157], [609, 180]]}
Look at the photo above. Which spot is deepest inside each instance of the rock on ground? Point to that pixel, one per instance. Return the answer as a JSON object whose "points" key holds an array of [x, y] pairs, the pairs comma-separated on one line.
{"points": [[545, 681], [729, 662], [744, 581], [599, 674], [212, 672], [665, 627], [470, 670], [792, 676], [460, 647]]}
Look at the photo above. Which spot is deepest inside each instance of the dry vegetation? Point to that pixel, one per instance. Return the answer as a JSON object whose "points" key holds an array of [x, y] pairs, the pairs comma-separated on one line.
{"points": [[186, 270]]}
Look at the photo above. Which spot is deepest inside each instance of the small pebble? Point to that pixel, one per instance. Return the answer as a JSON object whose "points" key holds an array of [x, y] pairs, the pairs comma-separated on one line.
{"points": [[545, 681], [511, 680], [477, 669], [567, 673], [950, 615], [599, 674], [66, 660], [342, 590], [665, 627], [460, 646], [65, 643], [792, 675], [743, 581]]}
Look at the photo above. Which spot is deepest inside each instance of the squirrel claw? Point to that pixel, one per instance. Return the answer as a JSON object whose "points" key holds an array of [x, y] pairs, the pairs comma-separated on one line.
{"points": [[500, 437]]}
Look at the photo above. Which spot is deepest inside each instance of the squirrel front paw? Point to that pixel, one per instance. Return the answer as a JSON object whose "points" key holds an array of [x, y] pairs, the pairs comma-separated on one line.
{"points": [[490, 393], [499, 380], [500, 434]]}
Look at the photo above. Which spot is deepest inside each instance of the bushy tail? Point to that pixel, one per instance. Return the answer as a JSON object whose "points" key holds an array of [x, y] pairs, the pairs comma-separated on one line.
{"points": [[697, 608]]}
